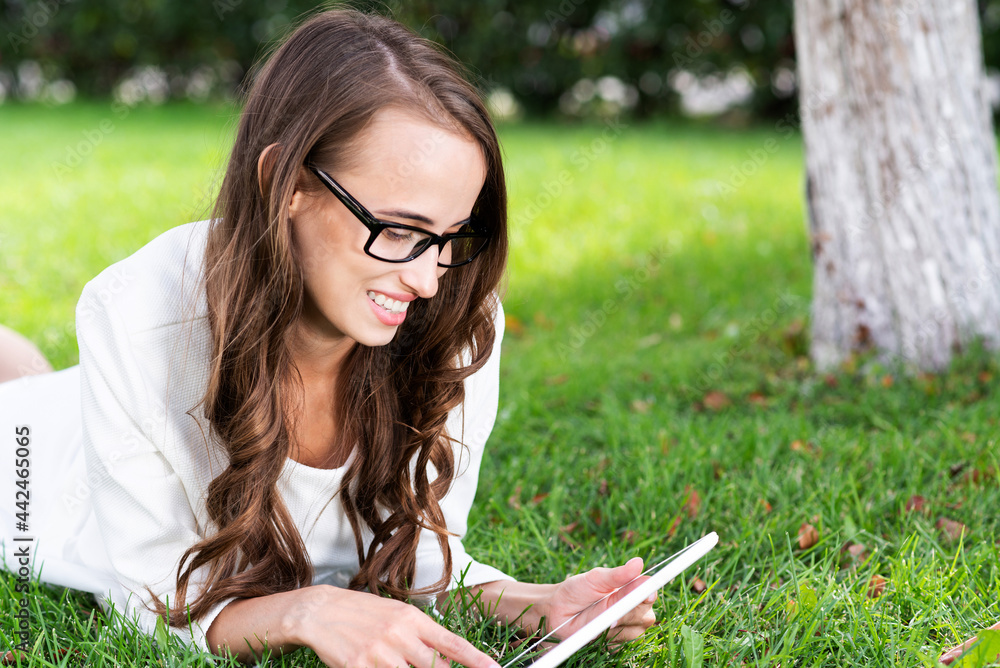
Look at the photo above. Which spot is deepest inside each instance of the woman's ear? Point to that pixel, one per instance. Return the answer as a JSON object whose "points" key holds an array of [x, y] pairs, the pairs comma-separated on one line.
{"points": [[265, 167]]}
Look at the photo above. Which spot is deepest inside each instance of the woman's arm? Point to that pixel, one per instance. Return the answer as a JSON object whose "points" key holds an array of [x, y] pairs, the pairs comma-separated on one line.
{"points": [[343, 627]]}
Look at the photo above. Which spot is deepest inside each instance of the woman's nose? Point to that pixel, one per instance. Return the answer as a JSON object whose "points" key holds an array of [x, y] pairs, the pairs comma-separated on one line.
{"points": [[422, 273]]}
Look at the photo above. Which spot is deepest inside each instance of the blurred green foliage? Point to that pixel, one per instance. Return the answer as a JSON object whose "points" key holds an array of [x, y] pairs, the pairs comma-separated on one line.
{"points": [[537, 49]]}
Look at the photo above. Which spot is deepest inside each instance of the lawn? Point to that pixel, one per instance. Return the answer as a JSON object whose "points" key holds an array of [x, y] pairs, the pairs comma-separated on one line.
{"points": [[655, 361]]}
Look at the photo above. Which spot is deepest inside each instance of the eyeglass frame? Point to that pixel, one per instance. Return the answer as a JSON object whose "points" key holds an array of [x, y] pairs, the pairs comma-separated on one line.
{"points": [[375, 226]]}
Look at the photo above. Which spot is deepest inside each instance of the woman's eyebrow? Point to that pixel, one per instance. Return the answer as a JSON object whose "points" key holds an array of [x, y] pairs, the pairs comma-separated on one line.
{"points": [[420, 218], [405, 214]]}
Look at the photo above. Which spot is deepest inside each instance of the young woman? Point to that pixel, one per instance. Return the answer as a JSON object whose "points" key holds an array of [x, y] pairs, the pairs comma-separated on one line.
{"points": [[282, 411]]}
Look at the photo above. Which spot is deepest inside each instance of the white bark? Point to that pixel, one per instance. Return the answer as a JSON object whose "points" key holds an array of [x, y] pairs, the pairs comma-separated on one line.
{"points": [[901, 168]]}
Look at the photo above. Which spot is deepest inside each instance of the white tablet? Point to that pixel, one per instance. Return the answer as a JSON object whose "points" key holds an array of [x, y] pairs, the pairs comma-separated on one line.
{"points": [[665, 572]]}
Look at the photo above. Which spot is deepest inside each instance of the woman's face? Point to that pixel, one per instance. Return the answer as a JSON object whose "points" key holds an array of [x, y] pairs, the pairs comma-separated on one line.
{"points": [[406, 170]]}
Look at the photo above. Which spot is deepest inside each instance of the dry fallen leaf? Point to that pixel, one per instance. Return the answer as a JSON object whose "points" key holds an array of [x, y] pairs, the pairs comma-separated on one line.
{"points": [[602, 489], [564, 533], [542, 320], [856, 550], [808, 536], [876, 585], [887, 380], [538, 498], [916, 502], [852, 555], [648, 341], [799, 445], [597, 516], [767, 506], [977, 476], [629, 536], [693, 502], [716, 401], [14, 657], [698, 585], [757, 399], [673, 527], [513, 324], [640, 406], [514, 500], [664, 443], [950, 529]]}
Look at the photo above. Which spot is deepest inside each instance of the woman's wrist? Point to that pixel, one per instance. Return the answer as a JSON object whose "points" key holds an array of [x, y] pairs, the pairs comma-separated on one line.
{"points": [[281, 621], [297, 620]]}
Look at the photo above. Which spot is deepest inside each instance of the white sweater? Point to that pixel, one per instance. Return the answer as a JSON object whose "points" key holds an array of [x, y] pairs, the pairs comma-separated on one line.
{"points": [[115, 504]]}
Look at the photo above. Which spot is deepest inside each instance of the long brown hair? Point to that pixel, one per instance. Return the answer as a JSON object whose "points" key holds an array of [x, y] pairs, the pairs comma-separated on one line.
{"points": [[312, 98]]}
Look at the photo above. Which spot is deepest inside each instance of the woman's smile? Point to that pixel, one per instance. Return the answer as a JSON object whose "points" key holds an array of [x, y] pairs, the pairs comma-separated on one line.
{"points": [[389, 311]]}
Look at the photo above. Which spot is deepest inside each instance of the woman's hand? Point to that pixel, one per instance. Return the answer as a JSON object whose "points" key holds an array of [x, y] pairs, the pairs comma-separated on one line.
{"points": [[346, 629], [358, 630], [957, 651], [532, 605], [579, 591]]}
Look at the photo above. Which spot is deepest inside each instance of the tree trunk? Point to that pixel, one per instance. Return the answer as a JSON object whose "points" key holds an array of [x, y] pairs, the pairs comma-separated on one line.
{"points": [[901, 179]]}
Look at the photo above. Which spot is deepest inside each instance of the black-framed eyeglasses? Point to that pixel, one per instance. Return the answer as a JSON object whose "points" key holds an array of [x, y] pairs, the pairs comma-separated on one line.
{"points": [[395, 242]]}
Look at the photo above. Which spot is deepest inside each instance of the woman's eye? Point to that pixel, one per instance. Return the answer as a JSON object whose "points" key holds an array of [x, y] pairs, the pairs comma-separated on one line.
{"points": [[397, 235]]}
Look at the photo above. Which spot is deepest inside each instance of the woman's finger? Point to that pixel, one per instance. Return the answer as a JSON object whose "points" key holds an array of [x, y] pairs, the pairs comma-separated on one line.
{"points": [[609, 579], [429, 658], [642, 615], [956, 651], [633, 624], [625, 591], [454, 647]]}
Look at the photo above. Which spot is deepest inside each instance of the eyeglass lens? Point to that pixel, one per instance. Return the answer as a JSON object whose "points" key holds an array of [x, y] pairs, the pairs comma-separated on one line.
{"points": [[399, 244]]}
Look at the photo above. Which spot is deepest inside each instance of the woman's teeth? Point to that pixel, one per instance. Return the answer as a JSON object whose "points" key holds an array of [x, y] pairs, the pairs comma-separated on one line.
{"points": [[390, 305]]}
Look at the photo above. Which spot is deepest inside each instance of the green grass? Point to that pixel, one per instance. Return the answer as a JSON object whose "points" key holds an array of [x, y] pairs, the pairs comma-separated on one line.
{"points": [[656, 349]]}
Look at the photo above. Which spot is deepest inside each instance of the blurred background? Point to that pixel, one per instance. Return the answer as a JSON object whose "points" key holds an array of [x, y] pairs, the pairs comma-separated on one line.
{"points": [[574, 58]]}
